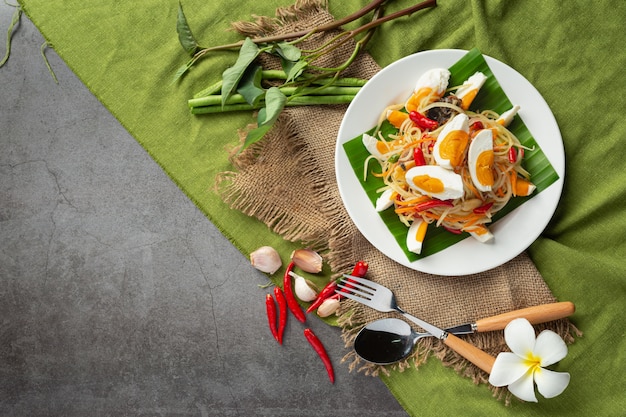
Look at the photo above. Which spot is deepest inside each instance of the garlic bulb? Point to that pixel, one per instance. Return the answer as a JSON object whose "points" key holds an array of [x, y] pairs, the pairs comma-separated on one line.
{"points": [[328, 307], [307, 260], [303, 289], [266, 259]]}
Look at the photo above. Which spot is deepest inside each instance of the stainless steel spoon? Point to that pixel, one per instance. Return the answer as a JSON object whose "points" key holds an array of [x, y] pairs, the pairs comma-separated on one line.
{"points": [[390, 340]]}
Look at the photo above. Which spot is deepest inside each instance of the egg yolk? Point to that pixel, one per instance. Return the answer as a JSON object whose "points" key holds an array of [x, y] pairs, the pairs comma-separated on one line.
{"points": [[468, 98], [421, 232], [396, 118], [522, 187], [452, 147], [417, 97], [479, 230], [382, 146], [429, 184], [484, 163]]}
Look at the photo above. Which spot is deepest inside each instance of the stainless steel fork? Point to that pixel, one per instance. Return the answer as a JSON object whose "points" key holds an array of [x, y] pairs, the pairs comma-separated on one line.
{"points": [[382, 299]]}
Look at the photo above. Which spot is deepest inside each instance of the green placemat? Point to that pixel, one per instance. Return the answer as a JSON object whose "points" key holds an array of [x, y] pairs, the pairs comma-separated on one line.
{"points": [[126, 54]]}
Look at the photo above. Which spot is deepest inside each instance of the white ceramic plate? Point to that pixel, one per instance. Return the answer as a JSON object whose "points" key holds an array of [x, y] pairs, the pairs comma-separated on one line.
{"points": [[515, 232]]}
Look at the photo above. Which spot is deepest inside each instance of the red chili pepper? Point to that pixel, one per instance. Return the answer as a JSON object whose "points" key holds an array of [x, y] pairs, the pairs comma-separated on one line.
{"points": [[326, 292], [477, 125], [271, 314], [422, 121], [321, 351], [426, 205], [512, 155], [483, 209], [454, 231], [418, 157], [520, 154], [292, 303], [359, 270], [282, 312]]}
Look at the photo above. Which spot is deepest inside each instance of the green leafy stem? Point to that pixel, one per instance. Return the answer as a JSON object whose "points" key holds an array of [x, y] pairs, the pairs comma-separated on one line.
{"points": [[246, 86]]}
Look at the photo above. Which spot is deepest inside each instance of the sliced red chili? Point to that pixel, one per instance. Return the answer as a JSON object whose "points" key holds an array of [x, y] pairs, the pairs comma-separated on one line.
{"points": [[451, 230], [483, 209], [477, 125], [317, 345], [292, 303], [512, 155], [270, 307], [422, 121], [427, 205], [282, 312], [418, 156]]}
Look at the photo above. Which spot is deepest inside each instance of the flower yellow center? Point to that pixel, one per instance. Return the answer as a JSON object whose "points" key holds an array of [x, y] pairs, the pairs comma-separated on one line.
{"points": [[532, 362]]}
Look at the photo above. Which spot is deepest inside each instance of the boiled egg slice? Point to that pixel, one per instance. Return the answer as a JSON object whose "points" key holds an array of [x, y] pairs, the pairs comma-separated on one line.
{"points": [[481, 234], [385, 200], [450, 146], [506, 118], [432, 83], [415, 235], [468, 91], [435, 181], [375, 147], [480, 159], [396, 117], [521, 186]]}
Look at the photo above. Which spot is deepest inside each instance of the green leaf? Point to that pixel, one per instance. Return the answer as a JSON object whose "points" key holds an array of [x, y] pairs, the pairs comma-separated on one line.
{"points": [[250, 85], [182, 70], [491, 96], [287, 51], [247, 54], [185, 37], [275, 102], [294, 69], [256, 135]]}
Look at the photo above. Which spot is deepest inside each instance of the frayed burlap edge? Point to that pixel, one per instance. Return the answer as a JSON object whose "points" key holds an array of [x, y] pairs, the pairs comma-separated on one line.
{"points": [[265, 25]]}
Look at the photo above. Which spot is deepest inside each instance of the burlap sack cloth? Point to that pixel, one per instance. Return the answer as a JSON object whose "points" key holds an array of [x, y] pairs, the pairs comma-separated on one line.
{"points": [[287, 181]]}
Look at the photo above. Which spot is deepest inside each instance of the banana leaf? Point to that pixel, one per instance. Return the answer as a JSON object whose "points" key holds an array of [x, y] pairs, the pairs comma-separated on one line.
{"points": [[491, 96]]}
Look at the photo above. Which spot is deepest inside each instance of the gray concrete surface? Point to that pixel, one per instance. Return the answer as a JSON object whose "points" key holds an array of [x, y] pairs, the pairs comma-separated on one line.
{"points": [[117, 296]]}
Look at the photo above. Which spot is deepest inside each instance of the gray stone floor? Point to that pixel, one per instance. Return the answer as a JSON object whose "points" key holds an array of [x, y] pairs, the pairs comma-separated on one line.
{"points": [[117, 296]]}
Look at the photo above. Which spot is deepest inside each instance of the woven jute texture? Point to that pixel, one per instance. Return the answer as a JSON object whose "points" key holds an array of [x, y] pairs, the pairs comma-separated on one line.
{"points": [[287, 180]]}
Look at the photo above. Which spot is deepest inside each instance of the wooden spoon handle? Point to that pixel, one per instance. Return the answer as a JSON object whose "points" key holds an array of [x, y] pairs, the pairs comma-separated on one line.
{"points": [[470, 352], [537, 314]]}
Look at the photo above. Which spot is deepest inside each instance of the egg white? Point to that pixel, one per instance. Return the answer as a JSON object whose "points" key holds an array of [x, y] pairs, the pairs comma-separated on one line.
{"points": [[384, 201], [471, 85], [436, 79], [452, 182], [370, 143], [482, 142], [506, 118], [458, 122], [485, 237], [412, 242]]}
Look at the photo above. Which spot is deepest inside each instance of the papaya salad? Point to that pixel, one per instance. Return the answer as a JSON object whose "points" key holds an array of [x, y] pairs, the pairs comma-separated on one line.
{"points": [[444, 165]]}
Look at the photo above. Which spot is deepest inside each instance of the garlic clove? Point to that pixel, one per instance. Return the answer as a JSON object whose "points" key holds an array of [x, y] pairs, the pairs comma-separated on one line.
{"points": [[329, 306], [266, 259], [303, 289], [307, 260]]}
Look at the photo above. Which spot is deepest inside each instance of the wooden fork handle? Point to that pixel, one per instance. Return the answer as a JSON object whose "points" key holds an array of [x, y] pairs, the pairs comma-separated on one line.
{"points": [[536, 314], [470, 352]]}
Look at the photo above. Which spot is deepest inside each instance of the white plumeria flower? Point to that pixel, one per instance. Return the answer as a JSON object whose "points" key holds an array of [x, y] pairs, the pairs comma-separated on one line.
{"points": [[524, 366]]}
